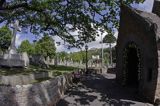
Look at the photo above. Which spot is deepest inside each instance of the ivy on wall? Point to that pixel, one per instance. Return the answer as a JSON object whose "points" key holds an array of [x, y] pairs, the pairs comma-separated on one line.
{"points": [[125, 57]]}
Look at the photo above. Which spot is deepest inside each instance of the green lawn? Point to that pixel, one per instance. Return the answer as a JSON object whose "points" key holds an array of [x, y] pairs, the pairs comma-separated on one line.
{"points": [[63, 68], [57, 70]]}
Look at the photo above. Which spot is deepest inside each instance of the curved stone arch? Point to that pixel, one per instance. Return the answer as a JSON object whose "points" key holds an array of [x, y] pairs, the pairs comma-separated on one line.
{"points": [[149, 59], [131, 44]]}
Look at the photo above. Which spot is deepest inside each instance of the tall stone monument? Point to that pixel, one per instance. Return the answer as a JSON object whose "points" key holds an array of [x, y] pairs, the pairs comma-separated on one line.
{"points": [[12, 58], [138, 51]]}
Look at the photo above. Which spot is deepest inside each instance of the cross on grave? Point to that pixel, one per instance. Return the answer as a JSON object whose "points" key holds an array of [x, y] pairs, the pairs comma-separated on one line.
{"points": [[15, 26]]}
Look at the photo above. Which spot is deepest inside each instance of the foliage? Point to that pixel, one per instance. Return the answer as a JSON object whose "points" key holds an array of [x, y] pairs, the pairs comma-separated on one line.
{"points": [[106, 57], [45, 46], [34, 69], [77, 56], [62, 55], [81, 55], [26, 46], [59, 17], [109, 38], [5, 38]]}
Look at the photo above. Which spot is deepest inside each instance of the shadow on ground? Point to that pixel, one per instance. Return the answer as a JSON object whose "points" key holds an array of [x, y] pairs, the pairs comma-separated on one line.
{"points": [[100, 90]]}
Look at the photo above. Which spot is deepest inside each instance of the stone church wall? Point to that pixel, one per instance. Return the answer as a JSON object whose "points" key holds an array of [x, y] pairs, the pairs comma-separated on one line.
{"points": [[156, 7], [135, 28]]}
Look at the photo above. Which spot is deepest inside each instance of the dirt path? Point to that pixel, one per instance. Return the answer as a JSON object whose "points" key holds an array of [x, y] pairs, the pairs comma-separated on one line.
{"points": [[100, 90]]}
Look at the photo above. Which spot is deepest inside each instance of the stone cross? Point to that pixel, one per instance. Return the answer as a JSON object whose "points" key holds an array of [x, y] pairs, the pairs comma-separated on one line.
{"points": [[16, 28]]}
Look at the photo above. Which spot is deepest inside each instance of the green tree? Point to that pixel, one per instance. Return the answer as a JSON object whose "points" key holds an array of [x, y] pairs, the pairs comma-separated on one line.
{"points": [[5, 38], [26, 46], [59, 17], [76, 56], [110, 39], [62, 55], [45, 46]]}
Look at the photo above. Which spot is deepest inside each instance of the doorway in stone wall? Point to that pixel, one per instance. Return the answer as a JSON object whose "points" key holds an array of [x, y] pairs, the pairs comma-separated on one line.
{"points": [[132, 66]]}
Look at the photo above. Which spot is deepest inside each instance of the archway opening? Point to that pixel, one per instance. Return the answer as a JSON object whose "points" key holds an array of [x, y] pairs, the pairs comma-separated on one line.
{"points": [[132, 67]]}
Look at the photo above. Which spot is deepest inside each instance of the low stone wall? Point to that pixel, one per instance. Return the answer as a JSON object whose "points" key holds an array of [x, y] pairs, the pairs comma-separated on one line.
{"points": [[20, 79], [45, 93], [24, 79]]}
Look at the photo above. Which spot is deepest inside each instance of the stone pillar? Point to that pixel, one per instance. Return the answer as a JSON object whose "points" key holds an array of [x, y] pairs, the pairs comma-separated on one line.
{"points": [[156, 7]]}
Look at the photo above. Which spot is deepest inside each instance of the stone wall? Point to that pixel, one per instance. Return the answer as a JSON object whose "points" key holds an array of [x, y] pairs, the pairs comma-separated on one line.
{"points": [[157, 95], [45, 93], [156, 7], [24, 79], [20, 79], [139, 27]]}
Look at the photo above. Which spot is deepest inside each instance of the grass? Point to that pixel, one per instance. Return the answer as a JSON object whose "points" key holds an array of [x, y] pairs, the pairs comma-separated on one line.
{"points": [[15, 71], [60, 70], [63, 68], [57, 70], [40, 80]]}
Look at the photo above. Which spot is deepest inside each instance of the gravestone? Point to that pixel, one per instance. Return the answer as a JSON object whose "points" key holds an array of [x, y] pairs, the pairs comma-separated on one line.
{"points": [[12, 58], [138, 52], [38, 60], [48, 61], [52, 61]]}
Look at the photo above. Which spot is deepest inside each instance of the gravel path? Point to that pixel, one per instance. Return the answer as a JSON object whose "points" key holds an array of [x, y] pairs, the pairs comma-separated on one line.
{"points": [[100, 90]]}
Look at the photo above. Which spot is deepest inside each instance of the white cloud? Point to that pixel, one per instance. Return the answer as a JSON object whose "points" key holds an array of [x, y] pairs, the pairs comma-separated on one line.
{"points": [[91, 45], [60, 47], [147, 5], [96, 44]]}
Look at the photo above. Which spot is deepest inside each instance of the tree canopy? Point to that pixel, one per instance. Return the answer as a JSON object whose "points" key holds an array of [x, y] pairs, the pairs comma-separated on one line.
{"points": [[62, 55], [59, 17], [45, 46], [109, 38], [5, 38], [26, 46]]}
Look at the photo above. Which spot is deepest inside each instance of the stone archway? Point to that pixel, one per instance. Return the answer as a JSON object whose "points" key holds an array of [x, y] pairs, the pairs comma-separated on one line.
{"points": [[132, 65]]}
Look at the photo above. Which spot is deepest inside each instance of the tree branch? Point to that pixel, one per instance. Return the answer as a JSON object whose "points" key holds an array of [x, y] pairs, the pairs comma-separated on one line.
{"points": [[2, 2], [14, 6]]}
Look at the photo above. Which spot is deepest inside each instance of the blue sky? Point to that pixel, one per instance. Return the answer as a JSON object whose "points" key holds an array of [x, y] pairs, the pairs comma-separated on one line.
{"points": [[146, 6]]}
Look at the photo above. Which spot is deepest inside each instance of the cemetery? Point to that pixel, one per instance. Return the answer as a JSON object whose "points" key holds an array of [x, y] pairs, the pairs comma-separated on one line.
{"points": [[79, 53]]}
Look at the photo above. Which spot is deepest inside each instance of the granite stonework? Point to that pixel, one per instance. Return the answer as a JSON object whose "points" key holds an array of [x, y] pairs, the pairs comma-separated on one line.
{"points": [[38, 60], [14, 60], [141, 31], [24, 79], [156, 7], [20, 79], [46, 93]]}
